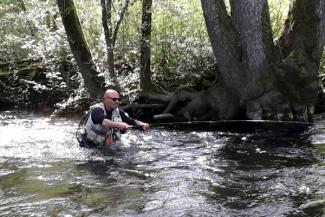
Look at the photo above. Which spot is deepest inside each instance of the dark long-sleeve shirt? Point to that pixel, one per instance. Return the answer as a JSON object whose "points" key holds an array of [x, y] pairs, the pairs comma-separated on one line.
{"points": [[97, 116]]}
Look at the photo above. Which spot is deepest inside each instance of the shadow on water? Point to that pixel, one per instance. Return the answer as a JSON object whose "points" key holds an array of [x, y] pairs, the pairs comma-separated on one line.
{"points": [[270, 149], [268, 170]]}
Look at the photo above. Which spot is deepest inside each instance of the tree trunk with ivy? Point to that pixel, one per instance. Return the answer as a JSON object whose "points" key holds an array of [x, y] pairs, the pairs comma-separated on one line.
{"points": [[259, 79], [79, 48]]}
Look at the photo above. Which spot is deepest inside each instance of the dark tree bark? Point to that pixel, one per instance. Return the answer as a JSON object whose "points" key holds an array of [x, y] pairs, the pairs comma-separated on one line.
{"points": [[248, 22], [269, 86], [80, 49], [111, 34], [301, 46], [223, 40], [145, 50]]}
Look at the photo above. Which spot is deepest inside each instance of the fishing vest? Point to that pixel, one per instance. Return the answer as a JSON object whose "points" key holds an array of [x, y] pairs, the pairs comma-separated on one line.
{"points": [[97, 133]]}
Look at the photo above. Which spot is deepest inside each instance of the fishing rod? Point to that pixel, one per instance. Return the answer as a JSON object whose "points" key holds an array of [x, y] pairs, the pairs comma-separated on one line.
{"points": [[233, 124], [166, 124]]}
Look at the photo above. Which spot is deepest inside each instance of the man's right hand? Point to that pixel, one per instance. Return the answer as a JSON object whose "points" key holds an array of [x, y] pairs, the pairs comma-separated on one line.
{"points": [[118, 125], [122, 125]]}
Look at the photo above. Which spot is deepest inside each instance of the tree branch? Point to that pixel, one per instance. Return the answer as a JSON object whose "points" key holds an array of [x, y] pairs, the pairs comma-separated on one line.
{"points": [[119, 21]]}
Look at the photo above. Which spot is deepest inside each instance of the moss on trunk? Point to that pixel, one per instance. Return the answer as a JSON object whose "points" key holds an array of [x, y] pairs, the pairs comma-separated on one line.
{"points": [[79, 48]]}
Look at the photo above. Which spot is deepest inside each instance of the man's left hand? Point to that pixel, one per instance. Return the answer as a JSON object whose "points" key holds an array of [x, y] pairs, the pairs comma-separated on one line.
{"points": [[145, 126]]}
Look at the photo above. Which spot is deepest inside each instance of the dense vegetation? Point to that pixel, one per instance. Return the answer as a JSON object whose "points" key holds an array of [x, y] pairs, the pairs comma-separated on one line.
{"points": [[181, 56], [180, 46]]}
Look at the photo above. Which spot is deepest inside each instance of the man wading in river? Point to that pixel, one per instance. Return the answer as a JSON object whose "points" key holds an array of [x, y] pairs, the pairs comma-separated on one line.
{"points": [[106, 122]]}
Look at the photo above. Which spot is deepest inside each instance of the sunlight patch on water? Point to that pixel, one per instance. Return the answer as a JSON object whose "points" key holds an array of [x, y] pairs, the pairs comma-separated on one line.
{"points": [[39, 139]]}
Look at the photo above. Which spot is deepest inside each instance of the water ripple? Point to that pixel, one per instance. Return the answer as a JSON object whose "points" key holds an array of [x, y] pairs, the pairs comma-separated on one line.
{"points": [[162, 172]]}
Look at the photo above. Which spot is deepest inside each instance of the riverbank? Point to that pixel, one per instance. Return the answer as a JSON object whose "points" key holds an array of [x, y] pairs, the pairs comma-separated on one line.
{"points": [[56, 86]]}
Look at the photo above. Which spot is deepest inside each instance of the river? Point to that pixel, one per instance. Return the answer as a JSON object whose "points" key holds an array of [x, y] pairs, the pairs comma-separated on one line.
{"points": [[160, 172]]}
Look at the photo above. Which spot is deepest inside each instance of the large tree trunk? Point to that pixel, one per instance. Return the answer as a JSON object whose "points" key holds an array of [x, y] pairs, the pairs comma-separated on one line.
{"points": [[258, 79], [301, 47], [80, 49], [223, 40], [255, 38], [269, 86], [145, 50]]}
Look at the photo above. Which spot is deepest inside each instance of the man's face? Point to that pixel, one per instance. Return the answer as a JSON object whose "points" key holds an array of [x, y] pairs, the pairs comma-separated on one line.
{"points": [[112, 101]]}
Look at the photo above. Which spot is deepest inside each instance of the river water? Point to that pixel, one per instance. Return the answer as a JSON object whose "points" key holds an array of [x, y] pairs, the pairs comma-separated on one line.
{"points": [[161, 172]]}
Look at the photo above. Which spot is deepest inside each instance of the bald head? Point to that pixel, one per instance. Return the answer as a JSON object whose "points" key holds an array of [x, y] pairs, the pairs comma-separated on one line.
{"points": [[111, 93]]}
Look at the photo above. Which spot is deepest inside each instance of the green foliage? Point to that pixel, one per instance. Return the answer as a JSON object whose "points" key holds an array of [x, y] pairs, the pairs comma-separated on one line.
{"points": [[181, 51], [278, 12], [33, 33], [181, 47]]}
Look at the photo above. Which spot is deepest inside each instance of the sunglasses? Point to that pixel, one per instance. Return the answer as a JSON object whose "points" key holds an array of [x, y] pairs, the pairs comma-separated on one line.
{"points": [[114, 99]]}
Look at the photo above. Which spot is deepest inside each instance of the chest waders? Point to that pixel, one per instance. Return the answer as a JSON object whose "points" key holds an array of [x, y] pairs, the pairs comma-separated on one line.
{"points": [[113, 134], [98, 134]]}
